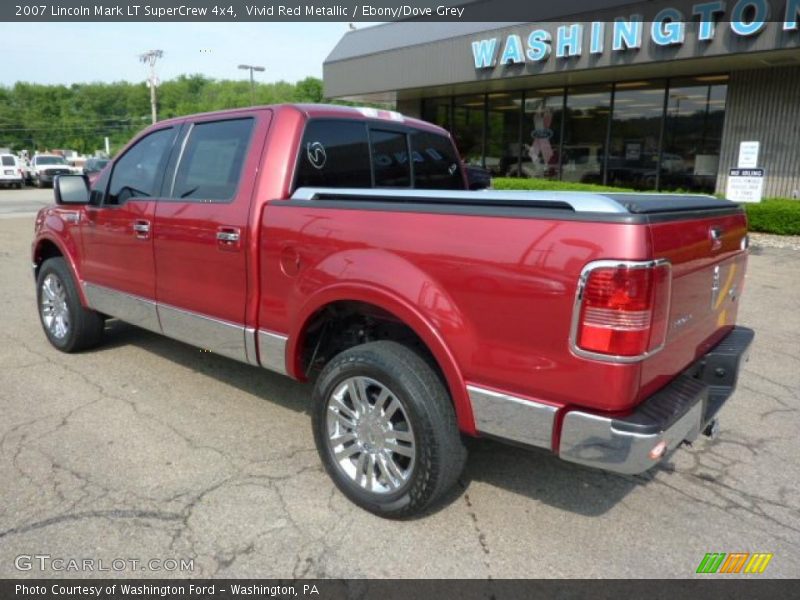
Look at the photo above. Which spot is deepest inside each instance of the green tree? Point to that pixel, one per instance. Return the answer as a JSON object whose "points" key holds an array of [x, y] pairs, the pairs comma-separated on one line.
{"points": [[78, 117]]}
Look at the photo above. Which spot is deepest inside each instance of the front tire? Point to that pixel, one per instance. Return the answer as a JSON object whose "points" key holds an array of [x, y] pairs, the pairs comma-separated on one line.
{"points": [[69, 326], [385, 429]]}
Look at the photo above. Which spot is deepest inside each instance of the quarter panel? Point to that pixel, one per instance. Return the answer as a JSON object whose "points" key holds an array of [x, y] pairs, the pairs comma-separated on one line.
{"points": [[497, 291]]}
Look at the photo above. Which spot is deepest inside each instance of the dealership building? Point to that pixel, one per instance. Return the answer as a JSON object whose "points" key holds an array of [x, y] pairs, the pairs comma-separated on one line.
{"points": [[668, 100]]}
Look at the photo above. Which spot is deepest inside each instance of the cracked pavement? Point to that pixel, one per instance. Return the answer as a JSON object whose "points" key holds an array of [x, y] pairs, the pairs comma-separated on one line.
{"points": [[149, 448]]}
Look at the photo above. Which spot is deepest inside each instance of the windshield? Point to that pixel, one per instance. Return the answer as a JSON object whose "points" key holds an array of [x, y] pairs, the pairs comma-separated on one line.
{"points": [[50, 160], [8, 161], [99, 164]]}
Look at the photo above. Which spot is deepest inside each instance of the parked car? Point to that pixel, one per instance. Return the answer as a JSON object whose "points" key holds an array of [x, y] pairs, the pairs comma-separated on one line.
{"points": [[93, 166], [45, 167], [601, 327], [11, 173]]}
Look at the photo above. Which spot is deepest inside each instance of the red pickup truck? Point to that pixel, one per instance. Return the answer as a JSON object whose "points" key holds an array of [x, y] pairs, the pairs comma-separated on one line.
{"points": [[341, 246]]}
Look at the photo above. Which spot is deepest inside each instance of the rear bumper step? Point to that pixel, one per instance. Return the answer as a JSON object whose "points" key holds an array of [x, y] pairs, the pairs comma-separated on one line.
{"points": [[676, 413]]}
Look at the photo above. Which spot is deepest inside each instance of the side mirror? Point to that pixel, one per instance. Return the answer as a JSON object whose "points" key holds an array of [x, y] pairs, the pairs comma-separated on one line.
{"points": [[477, 178], [71, 189]]}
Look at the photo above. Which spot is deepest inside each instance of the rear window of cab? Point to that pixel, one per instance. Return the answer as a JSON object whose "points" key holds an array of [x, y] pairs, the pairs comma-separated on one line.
{"points": [[357, 154]]}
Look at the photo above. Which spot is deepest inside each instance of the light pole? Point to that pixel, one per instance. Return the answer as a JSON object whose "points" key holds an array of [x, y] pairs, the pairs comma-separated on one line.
{"points": [[252, 68], [149, 58]]}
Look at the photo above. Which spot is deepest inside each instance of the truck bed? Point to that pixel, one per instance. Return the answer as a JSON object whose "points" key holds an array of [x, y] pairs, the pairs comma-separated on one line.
{"points": [[495, 275]]}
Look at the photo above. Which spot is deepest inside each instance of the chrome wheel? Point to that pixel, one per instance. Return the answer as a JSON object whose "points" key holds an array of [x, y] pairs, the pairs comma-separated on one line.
{"points": [[370, 435], [53, 307]]}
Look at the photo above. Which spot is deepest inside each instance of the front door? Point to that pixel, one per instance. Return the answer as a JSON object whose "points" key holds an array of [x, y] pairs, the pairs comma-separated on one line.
{"points": [[117, 232], [202, 234]]}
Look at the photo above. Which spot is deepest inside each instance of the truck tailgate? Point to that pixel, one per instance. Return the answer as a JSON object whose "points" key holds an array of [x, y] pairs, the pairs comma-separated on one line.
{"points": [[709, 257]]}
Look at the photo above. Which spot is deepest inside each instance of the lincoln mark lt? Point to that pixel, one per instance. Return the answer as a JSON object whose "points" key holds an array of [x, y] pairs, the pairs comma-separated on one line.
{"points": [[342, 246]]}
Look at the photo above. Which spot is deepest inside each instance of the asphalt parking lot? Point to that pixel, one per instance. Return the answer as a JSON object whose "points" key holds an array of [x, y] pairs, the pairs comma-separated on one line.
{"points": [[24, 202], [148, 448]]}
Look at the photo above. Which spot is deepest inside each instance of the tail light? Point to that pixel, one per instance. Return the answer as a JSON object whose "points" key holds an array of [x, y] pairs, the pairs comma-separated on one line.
{"points": [[621, 309]]}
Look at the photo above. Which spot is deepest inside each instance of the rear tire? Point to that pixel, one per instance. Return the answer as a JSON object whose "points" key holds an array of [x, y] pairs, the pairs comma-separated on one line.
{"points": [[69, 326], [385, 429]]}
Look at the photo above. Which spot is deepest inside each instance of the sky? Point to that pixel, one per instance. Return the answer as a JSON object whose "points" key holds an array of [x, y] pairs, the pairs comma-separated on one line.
{"points": [[69, 53]]}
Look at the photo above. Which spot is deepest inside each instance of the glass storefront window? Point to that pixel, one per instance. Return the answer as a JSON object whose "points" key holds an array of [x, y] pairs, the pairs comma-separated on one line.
{"points": [[529, 134], [467, 130], [693, 134], [502, 143], [541, 134], [437, 111], [635, 132], [585, 130]]}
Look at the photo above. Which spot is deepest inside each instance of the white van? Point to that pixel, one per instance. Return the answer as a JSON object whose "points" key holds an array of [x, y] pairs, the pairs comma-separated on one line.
{"points": [[11, 174]]}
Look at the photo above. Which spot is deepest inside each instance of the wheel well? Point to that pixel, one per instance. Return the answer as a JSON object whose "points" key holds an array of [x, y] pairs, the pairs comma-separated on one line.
{"points": [[342, 325], [45, 250]]}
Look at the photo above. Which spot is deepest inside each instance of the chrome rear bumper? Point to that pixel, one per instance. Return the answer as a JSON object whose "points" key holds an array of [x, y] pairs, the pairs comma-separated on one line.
{"points": [[680, 411]]}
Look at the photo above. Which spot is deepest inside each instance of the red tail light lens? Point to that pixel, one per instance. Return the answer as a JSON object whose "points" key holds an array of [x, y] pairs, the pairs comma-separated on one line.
{"points": [[623, 308]]}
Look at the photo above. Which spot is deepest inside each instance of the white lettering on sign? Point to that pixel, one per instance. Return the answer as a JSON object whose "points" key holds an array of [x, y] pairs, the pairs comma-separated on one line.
{"points": [[625, 34], [745, 185]]}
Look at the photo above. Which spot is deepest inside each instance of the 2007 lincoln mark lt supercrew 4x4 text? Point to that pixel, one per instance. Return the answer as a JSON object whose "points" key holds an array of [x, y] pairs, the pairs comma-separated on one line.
{"points": [[340, 245]]}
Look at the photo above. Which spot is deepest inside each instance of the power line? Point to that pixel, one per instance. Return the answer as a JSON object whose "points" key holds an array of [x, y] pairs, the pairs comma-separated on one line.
{"points": [[86, 120], [69, 128]]}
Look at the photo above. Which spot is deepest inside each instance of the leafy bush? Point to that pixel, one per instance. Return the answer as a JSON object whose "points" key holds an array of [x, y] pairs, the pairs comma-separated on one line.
{"points": [[518, 183], [773, 215]]}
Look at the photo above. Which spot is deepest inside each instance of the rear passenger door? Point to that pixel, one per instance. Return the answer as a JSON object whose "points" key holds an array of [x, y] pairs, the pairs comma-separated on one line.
{"points": [[202, 232]]}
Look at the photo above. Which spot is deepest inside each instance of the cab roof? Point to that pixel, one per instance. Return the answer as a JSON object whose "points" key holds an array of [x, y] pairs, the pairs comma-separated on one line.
{"points": [[335, 111]]}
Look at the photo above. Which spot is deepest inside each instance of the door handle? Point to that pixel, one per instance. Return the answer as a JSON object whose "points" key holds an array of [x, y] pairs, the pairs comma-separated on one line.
{"points": [[715, 235], [141, 229], [230, 236]]}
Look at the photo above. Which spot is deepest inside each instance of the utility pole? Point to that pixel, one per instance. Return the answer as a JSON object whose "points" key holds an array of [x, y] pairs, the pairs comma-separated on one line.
{"points": [[149, 58], [252, 68]]}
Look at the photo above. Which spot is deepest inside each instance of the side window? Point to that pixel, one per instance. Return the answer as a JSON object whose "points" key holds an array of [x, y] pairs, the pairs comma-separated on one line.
{"points": [[137, 174], [334, 153], [212, 160], [435, 162], [390, 158], [98, 188]]}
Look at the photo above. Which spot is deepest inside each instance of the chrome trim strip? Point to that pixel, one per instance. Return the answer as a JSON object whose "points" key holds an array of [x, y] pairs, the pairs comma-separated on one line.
{"points": [[512, 418], [250, 346], [127, 307], [579, 201], [576, 308], [217, 335], [180, 158], [272, 351], [209, 333], [591, 440]]}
